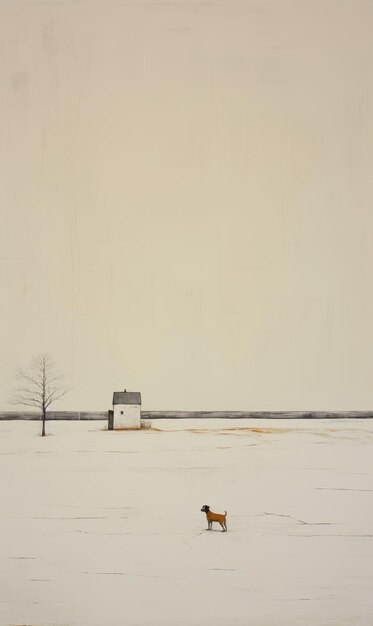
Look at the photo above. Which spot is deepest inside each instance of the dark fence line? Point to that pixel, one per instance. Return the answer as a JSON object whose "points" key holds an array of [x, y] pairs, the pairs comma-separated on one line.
{"points": [[257, 414], [156, 415], [55, 415]]}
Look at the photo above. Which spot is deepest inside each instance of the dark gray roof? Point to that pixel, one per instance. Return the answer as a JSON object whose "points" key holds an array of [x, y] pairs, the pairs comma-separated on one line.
{"points": [[126, 397]]}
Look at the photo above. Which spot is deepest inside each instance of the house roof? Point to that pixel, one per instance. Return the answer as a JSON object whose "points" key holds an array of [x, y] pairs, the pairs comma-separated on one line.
{"points": [[126, 397]]}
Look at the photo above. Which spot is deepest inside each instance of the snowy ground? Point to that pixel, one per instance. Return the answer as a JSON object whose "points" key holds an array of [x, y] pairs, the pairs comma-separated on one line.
{"points": [[104, 528]]}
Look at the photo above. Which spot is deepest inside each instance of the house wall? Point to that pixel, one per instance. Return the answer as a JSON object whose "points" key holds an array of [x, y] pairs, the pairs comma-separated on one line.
{"points": [[131, 417]]}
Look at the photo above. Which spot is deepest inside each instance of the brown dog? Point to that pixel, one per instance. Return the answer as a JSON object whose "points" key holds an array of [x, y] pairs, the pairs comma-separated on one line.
{"points": [[214, 517]]}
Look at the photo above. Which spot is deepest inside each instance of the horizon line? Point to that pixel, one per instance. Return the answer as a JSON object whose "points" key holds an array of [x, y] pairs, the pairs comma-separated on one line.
{"points": [[180, 414]]}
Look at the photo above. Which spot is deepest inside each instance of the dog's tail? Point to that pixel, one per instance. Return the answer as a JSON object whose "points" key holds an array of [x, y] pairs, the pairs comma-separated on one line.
{"points": [[225, 513]]}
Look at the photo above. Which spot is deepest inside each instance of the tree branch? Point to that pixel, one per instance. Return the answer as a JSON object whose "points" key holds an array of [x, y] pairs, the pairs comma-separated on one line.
{"points": [[40, 385]]}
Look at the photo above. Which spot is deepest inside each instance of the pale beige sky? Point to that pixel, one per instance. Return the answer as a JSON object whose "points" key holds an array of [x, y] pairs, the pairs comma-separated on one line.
{"points": [[186, 200]]}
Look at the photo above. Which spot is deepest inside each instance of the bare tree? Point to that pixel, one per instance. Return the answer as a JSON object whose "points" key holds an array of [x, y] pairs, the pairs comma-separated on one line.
{"points": [[38, 385]]}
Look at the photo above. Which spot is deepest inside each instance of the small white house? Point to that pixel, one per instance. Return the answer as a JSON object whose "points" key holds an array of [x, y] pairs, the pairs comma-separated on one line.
{"points": [[127, 409]]}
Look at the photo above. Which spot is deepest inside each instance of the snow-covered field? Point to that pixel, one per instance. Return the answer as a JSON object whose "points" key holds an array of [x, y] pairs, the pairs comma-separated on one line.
{"points": [[104, 528]]}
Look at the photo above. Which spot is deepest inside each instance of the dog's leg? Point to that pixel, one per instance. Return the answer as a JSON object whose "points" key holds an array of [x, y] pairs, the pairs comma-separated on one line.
{"points": [[222, 525]]}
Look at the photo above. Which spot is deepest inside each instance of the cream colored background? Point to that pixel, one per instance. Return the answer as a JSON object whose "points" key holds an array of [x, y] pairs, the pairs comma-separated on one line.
{"points": [[186, 200]]}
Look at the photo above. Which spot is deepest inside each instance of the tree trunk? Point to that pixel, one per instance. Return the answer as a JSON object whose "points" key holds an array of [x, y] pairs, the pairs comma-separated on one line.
{"points": [[43, 428]]}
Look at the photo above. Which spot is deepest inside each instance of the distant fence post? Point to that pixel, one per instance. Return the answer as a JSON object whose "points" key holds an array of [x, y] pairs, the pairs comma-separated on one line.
{"points": [[110, 416]]}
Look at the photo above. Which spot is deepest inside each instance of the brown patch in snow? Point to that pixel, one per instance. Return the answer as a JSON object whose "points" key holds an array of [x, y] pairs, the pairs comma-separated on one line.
{"points": [[238, 429]]}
